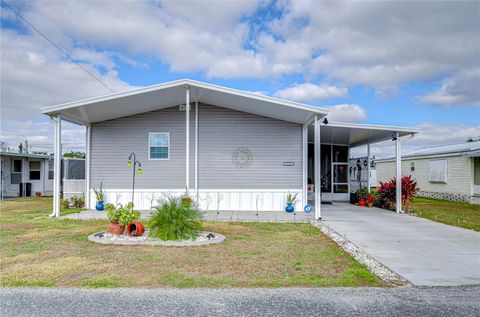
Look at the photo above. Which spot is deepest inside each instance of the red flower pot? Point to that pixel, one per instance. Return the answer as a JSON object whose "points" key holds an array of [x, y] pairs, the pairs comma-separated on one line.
{"points": [[362, 203], [135, 229], [115, 228]]}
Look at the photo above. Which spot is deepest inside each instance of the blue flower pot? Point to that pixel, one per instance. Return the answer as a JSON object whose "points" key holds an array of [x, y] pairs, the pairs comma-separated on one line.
{"points": [[289, 207], [100, 205]]}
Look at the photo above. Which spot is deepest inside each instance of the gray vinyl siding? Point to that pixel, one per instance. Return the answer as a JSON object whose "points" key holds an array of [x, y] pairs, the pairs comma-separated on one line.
{"points": [[221, 131], [271, 141]]}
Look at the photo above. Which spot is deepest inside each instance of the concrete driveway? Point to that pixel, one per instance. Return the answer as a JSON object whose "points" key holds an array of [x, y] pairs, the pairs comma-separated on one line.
{"points": [[422, 251]]}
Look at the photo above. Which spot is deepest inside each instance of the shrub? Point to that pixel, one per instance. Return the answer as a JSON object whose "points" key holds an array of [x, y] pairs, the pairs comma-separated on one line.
{"points": [[387, 193], [174, 220], [362, 194], [77, 201], [64, 203]]}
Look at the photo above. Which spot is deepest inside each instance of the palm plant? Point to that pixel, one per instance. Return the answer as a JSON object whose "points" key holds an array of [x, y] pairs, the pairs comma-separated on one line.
{"points": [[175, 220]]}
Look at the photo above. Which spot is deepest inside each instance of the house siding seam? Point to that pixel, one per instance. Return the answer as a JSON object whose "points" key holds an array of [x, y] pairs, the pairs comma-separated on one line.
{"points": [[221, 131], [458, 186]]}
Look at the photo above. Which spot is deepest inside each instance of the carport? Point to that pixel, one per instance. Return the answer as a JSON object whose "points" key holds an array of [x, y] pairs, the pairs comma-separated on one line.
{"points": [[335, 141]]}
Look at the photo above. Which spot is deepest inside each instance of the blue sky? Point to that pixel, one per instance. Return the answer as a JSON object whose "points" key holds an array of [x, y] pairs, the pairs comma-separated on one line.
{"points": [[396, 63]]}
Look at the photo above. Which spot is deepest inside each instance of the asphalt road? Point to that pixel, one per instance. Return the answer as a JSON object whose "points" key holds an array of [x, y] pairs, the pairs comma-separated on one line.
{"points": [[403, 301]]}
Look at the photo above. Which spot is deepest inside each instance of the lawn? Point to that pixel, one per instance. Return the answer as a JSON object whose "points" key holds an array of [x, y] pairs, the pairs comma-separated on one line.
{"points": [[37, 251], [462, 215]]}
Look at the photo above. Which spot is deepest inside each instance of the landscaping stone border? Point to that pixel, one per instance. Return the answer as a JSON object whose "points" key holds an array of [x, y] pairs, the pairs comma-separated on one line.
{"points": [[145, 240], [362, 256]]}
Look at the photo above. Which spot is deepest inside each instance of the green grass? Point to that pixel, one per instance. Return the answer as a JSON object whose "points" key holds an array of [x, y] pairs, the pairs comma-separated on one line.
{"points": [[457, 214], [38, 251]]}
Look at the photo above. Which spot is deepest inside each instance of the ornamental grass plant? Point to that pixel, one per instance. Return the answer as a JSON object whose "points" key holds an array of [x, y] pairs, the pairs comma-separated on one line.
{"points": [[175, 220]]}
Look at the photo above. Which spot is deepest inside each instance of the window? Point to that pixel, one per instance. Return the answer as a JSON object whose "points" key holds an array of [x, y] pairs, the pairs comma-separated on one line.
{"points": [[158, 145], [340, 154], [16, 177], [438, 171], [34, 169], [412, 166], [50, 169]]}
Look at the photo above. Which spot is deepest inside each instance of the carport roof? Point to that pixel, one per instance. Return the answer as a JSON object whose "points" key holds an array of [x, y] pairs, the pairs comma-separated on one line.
{"points": [[173, 94], [354, 134]]}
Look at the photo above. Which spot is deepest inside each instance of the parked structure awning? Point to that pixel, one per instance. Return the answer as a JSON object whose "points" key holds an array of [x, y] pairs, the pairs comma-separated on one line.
{"points": [[173, 94], [354, 134]]}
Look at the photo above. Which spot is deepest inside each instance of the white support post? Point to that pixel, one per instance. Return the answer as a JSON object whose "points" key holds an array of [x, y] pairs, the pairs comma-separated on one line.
{"points": [[398, 161], [368, 167], [187, 139], [304, 164], [58, 166], [88, 132], [318, 180], [196, 151]]}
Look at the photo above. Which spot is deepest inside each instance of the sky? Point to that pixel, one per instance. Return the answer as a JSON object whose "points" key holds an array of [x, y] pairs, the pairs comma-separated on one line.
{"points": [[404, 63]]}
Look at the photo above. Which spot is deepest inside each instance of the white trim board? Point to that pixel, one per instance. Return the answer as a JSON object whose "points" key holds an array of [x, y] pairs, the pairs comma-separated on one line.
{"points": [[209, 199]]}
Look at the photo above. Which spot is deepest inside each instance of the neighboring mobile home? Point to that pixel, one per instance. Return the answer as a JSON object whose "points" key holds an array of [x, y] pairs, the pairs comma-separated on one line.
{"points": [[449, 172], [228, 149], [24, 174]]}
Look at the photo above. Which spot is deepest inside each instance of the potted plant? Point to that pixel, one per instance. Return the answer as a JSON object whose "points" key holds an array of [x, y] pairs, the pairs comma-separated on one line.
{"points": [[121, 217], [186, 200], [362, 196], [100, 198], [291, 198], [128, 216], [371, 200]]}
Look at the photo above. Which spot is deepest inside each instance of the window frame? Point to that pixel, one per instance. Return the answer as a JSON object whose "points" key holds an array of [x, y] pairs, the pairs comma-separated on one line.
{"points": [[30, 170], [52, 170], [12, 172], [168, 147], [412, 166]]}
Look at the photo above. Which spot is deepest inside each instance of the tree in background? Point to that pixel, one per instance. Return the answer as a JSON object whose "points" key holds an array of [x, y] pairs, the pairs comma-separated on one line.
{"points": [[73, 154]]}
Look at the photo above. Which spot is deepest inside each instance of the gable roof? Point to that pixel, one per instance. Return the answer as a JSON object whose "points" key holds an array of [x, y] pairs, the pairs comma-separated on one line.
{"points": [[464, 149], [171, 94]]}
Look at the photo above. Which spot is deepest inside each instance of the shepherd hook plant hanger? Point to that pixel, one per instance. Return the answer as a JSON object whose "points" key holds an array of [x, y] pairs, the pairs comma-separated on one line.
{"points": [[135, 164]]}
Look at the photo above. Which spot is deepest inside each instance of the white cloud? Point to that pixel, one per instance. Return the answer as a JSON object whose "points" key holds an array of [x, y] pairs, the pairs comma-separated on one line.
{"points": [[34, 75], [346, 113], [311, 92], [462, 89], [380, 44]]}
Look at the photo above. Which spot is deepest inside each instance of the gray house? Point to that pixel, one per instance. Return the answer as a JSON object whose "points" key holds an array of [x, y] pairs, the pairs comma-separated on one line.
{"points": [[228, 149], [25, 174]]}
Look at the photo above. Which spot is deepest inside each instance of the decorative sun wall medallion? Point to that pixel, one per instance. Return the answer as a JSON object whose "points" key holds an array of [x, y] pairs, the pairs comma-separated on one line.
{"points": [[242, 157]]}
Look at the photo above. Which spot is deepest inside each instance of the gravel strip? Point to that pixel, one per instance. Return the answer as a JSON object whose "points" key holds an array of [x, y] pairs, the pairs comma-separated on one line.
{"points": [[361, 256], [204, 238]]}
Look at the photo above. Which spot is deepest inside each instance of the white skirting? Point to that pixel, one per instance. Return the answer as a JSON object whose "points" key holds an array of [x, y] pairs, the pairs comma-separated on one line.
{"points": [[208, 199]]}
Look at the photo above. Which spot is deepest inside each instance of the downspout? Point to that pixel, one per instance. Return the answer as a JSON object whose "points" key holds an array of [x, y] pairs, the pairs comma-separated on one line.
{"points": [[88, 132], [196, 151], [398, 160], [187, 139], [368, 167]]}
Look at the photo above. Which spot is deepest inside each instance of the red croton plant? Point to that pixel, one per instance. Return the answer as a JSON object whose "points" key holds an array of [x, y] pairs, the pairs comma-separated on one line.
{"points": [[387, 192]]}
